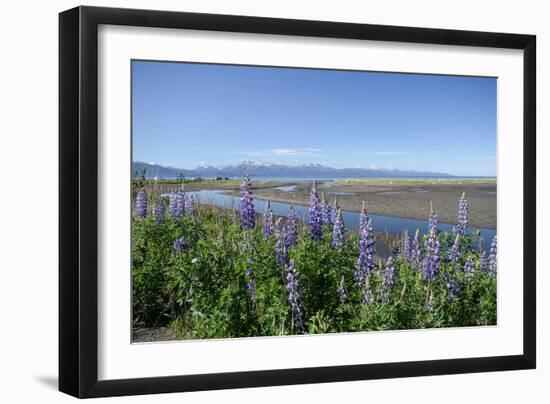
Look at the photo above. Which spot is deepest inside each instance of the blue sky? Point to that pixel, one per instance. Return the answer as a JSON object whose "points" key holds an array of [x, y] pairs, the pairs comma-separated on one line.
{"points": [[186, 115]]}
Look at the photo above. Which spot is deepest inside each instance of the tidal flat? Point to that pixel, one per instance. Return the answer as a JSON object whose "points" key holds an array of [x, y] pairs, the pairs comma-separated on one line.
{"points": [[404, 198], [400, 198]]}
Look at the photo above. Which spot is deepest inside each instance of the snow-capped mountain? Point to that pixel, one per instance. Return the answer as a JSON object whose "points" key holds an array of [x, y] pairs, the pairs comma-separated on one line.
{"points": [[273, 170]]}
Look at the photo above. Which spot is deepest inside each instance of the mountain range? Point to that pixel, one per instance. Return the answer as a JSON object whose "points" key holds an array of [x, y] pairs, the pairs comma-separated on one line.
{"points": [[256, 169]]}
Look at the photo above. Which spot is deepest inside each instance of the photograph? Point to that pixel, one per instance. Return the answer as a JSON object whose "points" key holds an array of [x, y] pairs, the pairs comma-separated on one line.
{"points": [[272, 201]]}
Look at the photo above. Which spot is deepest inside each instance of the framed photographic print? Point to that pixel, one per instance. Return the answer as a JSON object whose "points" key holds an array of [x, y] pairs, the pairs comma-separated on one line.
{"points": [[250, 201]]}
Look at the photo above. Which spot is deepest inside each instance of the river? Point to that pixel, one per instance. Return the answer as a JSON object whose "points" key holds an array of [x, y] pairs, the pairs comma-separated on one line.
{"points": [[391, 224]]}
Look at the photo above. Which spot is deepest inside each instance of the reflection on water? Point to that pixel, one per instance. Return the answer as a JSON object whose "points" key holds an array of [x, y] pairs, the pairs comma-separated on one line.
{"points": [[391, 224]]}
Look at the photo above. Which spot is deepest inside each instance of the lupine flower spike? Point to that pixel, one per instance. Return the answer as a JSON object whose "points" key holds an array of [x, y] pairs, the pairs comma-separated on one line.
{"points": [[469, 267], [315, 214], [248, 215], [453, 287], [366, 260], [292, 228], [432, 260], [180, 204], [483, 262], [172, 204], [462, 215], [493, 258], [371, 251], [190, 205], [176, 204], [268, 221], [326, 211], [338, 236], [363, 217], [432, 220], [334, 210], [454, 251], [388, 281], [416, 252], [159, 212], [361, 266], [294, 295], [141, 203], [281, 249]]}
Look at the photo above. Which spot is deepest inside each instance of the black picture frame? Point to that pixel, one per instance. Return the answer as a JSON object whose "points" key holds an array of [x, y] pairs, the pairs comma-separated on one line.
{"points": [[78, 201]]}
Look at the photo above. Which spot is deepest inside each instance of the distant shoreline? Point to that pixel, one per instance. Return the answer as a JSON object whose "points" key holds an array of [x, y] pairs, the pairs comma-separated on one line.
{"points": [[282, 171]]}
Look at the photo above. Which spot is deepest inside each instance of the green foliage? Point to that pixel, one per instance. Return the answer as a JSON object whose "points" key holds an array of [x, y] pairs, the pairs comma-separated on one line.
{"points": [[201, 291]]}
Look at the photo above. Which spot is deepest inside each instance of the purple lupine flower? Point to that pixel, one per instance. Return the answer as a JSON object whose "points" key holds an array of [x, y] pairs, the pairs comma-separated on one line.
{"points": [[294, 295], [141, 203], [395, 251], [326, 211], [363, 217], [453, 287], [315, 218], [365, 261], [483, 262], [360, 267], [172, 204], [189, 205], [389, 273], [159, 212], [406, 251], [416, 252], [250, 279], [292, 228], [432, 220], [334, 210], [469, 266], [268, 221], [371, 251], [462, 215], [248, 214], [338, 236], [180, 204], [432, 259], [180, 244], [493, 258], [341, 290], [454, 251], [388, 281], [281, 248]]}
